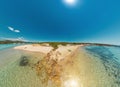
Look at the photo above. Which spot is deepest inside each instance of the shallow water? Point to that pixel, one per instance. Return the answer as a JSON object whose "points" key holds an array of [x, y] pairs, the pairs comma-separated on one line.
{"points": [[6, 46], [91, 66], [12, 74], [110, 59]]}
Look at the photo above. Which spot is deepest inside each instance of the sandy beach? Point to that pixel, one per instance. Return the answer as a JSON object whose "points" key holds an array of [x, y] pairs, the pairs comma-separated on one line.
{"points": [[59, 53], [35, 48]]}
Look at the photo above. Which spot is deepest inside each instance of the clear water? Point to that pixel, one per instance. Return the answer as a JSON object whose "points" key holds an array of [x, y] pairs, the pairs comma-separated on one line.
{"points": [[109, 58], [12, 74], [92, 66], [6, 46]]}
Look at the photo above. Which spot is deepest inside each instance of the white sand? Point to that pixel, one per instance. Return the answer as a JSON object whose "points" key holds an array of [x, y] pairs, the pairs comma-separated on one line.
{"points": [[64, 51], [60, 53], [35, 48]]}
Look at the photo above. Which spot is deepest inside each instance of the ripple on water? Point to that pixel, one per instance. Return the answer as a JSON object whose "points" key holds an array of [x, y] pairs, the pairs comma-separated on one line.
{"points": [[110, 60], [93, 66]]}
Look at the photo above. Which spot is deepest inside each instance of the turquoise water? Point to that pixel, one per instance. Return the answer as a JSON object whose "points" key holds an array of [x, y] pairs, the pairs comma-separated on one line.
{"points": [[93, 66], [6, 46], [7, 54], [12, 74], [110, 59]]}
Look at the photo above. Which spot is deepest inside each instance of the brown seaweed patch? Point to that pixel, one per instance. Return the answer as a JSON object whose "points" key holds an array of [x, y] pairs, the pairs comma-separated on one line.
{"points": [[49, 70], [24, 61]]}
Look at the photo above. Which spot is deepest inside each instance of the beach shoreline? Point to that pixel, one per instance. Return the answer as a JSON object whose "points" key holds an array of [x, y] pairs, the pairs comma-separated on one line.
{"points": [[60, 53]]}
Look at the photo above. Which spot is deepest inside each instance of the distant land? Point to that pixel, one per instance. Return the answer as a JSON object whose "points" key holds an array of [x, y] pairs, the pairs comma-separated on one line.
{"points": [[10, 42], [55, 44]]}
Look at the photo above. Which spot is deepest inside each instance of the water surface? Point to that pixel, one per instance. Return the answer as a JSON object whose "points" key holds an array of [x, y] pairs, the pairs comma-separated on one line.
{"points": [[91, 66]]}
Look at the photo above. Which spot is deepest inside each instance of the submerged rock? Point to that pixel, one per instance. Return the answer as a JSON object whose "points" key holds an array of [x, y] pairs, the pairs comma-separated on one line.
{"points": [[24, 61]]}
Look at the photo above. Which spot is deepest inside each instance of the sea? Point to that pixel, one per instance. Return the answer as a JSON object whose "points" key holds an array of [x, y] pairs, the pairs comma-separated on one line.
{"points": [[12, 72], [93, 66], [6, 46]]}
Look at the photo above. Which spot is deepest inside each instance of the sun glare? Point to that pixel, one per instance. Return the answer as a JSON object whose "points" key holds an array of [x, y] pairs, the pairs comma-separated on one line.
{"points": [[70, 2], [71, 83]]}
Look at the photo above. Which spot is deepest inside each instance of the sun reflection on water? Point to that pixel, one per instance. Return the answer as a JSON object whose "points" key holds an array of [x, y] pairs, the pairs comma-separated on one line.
{"points": [[72, 83]]}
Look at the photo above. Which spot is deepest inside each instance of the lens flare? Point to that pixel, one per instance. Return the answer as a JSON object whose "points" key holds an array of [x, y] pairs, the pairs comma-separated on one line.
{"points": [[70, 2], [71, 83]]}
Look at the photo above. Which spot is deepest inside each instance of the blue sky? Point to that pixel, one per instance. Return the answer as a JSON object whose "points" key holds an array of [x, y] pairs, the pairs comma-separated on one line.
{"points": [[61, 20]]}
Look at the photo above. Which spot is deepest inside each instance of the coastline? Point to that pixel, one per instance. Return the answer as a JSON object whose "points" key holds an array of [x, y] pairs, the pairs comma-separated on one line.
{"points": [[58, 66], [60, 53], [34, 48]]}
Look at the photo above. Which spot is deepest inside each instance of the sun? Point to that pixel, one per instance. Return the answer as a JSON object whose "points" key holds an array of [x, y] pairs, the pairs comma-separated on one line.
{"points": [[70, 2]]}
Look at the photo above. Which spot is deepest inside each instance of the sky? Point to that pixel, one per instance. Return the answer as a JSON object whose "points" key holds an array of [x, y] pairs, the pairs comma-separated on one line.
{"points": [[60, 20]]}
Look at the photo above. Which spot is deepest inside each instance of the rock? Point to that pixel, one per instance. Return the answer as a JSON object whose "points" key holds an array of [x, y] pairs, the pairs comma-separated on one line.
{"points": [[24, 61]]}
